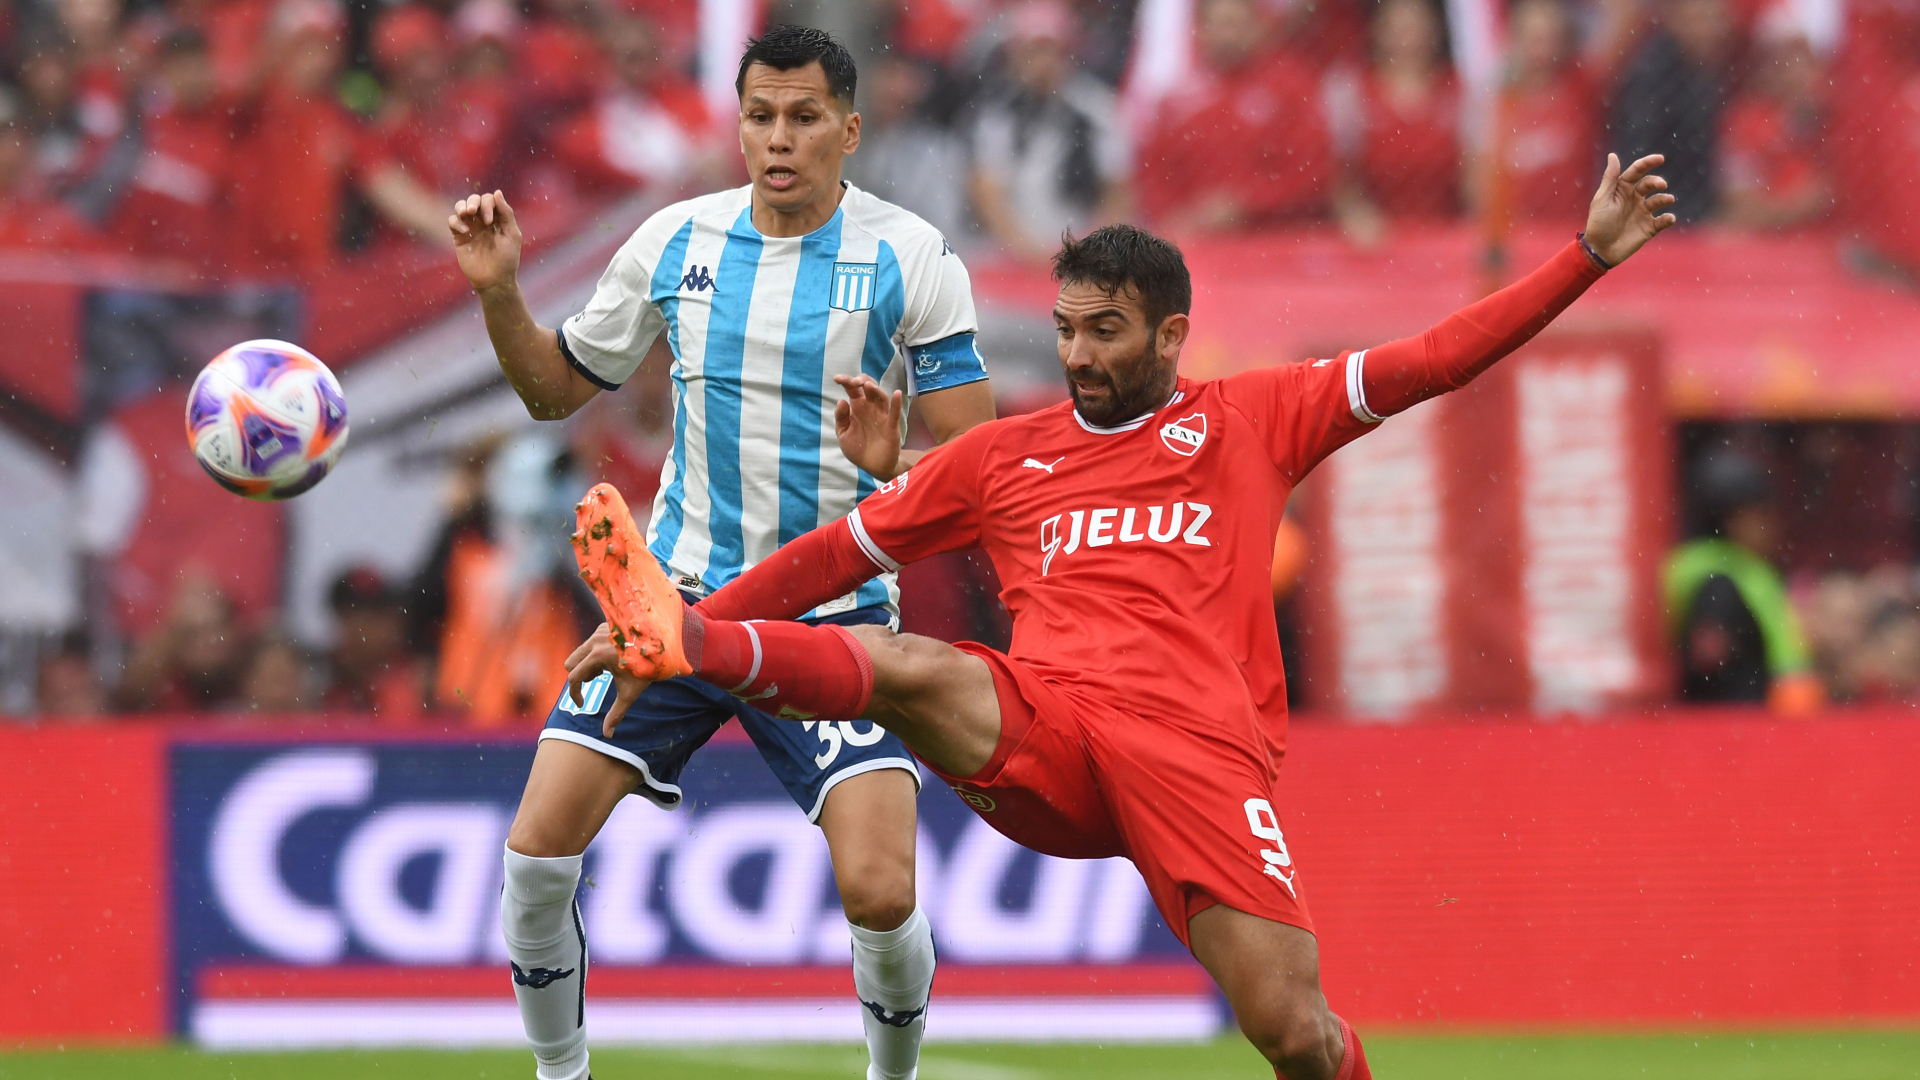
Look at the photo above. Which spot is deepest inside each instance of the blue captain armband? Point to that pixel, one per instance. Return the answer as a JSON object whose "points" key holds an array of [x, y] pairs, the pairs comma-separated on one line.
{"points": [[940, 365]]}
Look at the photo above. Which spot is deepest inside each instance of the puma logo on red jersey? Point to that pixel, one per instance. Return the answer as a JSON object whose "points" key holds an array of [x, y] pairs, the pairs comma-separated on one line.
{"points": [[1120, 525]]}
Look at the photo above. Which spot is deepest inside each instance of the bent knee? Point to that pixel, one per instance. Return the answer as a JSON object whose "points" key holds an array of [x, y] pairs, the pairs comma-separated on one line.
{"points": [[905, 665], [878, 909], [544, 838], [877, 893], [1301, 1039]]}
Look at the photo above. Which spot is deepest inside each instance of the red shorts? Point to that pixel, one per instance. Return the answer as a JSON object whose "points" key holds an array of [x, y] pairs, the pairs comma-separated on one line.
{"points": [[1189, 800]]}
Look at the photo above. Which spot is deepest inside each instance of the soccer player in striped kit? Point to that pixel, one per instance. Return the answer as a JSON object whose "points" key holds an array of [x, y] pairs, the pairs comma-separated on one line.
{"points": [[786, 302]]}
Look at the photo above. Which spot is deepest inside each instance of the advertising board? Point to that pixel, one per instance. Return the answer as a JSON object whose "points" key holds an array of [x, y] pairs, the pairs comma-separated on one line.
{"points": [[335, 894]]}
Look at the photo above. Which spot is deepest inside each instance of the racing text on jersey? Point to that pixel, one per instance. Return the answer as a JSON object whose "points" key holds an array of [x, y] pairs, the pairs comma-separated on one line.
{"points": [[1180, 522]]}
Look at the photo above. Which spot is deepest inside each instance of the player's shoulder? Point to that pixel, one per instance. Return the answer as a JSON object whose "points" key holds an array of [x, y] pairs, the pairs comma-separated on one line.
{"points": [[907, 233]]}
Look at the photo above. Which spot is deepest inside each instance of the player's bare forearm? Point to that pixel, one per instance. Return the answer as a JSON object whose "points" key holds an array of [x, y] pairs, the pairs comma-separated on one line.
{"points": [[529, 355]]}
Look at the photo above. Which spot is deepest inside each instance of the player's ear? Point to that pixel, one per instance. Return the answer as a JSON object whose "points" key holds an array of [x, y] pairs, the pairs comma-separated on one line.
{"points": [[1172, 335], [852, 140]]}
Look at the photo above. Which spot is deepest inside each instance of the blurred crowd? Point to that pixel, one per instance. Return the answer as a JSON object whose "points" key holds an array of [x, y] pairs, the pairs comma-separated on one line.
{"points": [[245, 136], [237, 139], [1800, 584]]}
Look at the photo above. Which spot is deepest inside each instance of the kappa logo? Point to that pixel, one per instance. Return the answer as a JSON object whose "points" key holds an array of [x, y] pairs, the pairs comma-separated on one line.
{"points": [[538, 978], [1185, 435], [894, 1019], [1036, 463], [978, 800], [1324, 363], [698, 279]]}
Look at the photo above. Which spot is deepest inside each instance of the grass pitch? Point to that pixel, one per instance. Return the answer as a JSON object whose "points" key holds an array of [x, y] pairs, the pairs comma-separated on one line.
{"points": [[1850, 1055]]}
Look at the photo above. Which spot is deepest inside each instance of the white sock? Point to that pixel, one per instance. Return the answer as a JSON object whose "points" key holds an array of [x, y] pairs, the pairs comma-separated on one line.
{"points": [[893, 974], [547, 946]]}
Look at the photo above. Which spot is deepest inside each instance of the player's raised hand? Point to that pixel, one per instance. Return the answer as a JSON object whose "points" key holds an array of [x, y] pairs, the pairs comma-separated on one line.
{"points": [[1626, 211], [868, 425], [486, 239], [595, 655]]}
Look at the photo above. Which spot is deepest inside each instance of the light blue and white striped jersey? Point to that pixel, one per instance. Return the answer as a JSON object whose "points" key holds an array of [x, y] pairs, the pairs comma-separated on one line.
{"points": [[759, 326]]}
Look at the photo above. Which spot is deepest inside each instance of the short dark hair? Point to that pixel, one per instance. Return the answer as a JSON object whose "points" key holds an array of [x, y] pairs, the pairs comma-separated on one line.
{"points": [[1115, 257], [786, 46]]}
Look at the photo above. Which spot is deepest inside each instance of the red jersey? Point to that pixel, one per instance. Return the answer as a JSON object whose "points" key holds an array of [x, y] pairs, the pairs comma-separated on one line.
{"points": [[1546, 141], [1411, 154], [1258, 135], [1136, 559], [1772, 148], [176, 205]]}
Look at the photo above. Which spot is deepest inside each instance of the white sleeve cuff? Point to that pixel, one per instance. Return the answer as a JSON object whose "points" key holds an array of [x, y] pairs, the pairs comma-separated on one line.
{"points": [[1357, 390], [871, 549]]}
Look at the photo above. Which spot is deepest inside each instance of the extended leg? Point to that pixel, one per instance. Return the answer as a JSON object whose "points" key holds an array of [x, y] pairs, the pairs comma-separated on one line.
{"points": [[939, 700], [869, 824], [569, 795], [1270, 973]]}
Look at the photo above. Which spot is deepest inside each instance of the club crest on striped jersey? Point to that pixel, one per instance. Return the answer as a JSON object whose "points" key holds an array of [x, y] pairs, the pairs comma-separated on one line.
{"points": [[1185, 435], [853, 286]]}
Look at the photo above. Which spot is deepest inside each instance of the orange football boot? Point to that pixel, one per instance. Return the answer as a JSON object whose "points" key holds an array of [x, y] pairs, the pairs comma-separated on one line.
{"points": [[642, 606]]}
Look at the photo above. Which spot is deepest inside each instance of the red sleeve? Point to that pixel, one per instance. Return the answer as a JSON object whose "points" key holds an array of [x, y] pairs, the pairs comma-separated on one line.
{"points": [[1304, 411], [811, 570], [922, 512], [929, 509], [1400, 374]]}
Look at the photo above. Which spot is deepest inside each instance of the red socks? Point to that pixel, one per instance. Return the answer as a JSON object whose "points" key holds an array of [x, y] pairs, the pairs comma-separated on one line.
{"points": [[1353, 1066], [794, 671]]}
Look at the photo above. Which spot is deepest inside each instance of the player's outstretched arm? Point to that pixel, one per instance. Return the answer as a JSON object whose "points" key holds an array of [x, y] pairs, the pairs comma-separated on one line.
{"points": [[487, 243], [1626, 212]]}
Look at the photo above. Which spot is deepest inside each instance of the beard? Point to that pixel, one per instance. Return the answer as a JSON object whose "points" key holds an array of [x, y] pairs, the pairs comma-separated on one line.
{"points": [[1133, 389]]}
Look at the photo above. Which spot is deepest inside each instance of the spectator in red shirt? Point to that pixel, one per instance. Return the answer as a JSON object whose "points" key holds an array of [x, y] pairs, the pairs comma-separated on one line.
{"points": [[193, 661], [177, 202], [1408, 154], [483, 34], [1773, 171], [560, 63], [1542, 154], [374, 670], [448, 135], [236, 32], [647, 128], [1246, 143], [75, 137], [299, 149], [29, 216], [101, 80]]}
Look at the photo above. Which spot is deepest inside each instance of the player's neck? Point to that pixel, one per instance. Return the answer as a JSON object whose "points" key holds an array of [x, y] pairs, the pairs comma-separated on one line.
{"points": [[801, 220]]}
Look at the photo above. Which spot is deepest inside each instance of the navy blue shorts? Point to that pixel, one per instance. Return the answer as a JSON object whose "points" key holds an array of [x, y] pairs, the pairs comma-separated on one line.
{"points": [[674, 718]]}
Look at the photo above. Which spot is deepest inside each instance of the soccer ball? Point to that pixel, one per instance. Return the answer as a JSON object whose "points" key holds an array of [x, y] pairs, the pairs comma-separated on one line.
{"points": [[266, 419]]}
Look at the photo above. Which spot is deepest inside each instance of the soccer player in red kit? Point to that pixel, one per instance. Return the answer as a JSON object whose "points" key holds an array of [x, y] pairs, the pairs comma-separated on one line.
{"points": [[1140, 709]]}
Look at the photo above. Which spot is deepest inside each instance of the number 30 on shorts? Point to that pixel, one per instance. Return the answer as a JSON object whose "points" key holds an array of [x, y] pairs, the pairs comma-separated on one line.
{"points": [[835, 732], [1266, 826]]}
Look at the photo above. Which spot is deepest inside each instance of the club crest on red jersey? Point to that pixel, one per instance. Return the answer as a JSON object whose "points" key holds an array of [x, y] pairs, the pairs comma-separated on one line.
{"points": [[1185, 435]]}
